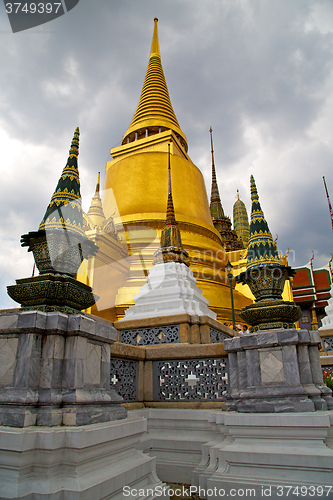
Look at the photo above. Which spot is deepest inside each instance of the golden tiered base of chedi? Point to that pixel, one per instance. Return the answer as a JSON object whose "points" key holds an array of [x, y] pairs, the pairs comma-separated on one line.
{"points": [[135, 194]]}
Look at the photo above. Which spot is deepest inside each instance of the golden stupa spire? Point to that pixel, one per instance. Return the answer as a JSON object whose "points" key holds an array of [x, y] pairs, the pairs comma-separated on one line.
{"points": [[95, 212], [215, 195], [170, 218], [154, 113], [155, 48]]}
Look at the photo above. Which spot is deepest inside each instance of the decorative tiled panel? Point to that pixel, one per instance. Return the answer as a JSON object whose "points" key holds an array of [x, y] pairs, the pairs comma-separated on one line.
{"points": [[327, 343], [168, 334], [271, 365], [216, 336], [124, 378], [190, 379]]}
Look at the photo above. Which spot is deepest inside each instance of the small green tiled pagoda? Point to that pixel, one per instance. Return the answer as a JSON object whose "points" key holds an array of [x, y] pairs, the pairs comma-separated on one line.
{"points": [[64, 211], [266, 276], [59, 247]]}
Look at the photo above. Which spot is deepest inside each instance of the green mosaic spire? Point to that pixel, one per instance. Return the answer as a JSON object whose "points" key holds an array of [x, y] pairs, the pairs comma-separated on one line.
{"points": [[261, 248], [64, 210]]}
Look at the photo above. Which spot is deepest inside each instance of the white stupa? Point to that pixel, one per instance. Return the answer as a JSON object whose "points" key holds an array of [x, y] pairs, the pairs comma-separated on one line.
{"points": [[327, 321], [171, 287]]}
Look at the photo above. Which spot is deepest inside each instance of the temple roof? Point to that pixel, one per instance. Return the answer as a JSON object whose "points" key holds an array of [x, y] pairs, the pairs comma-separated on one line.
{"points": [[64, 210], [262, 249], [154, 112], [312, 286]]}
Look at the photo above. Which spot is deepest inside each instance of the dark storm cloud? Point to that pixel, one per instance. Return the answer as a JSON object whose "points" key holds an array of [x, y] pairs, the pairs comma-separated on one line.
{"points": [[258, 72]]}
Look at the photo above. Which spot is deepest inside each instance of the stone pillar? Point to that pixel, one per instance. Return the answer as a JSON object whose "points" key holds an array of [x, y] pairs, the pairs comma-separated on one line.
{"points": [[276, 371], [55, 370]]}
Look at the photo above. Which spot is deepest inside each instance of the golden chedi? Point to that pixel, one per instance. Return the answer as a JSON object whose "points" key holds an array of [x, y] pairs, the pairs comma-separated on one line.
{"points": [[135, 198]]}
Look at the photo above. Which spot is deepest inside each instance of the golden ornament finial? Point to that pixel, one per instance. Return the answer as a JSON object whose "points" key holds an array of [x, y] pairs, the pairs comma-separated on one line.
{"points": [[313, 254], [98, 183], [155, 48]]}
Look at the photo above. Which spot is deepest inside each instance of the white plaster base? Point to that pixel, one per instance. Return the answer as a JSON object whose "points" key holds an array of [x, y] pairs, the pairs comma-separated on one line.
{"points": [[270, 450], [170, 289], [93, 462], [212, 449]]}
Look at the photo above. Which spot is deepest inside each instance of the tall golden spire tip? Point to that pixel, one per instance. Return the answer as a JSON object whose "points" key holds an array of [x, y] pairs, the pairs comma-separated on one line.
{"points": [[155, 48]]}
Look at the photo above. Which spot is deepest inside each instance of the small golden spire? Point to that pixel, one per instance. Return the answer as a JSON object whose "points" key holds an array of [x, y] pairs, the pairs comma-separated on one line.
{"points": [[215, 195], [155, 48], [170, 218], [98, 183], [95, 212]]}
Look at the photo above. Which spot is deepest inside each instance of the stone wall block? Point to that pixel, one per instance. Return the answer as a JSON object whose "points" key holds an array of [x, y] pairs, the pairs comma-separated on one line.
{"points": [[45, 380], [184, 333], [315, 337], [57, 373], [253, 368], [8, 352], [80, 323], [70, 348], [291, 370], [148, 381], [195, 334], [28, 361], [106, 353], [80, 348], [204, 334], [303, 336], [56, 322], [79, 374], [8, 322], [304, 364], [317, 373], [32, 320], [289, 336], [59, 347], [48, 346], [233, 371], [242, 369], [68, 380], [105, 375], [267, 339]]}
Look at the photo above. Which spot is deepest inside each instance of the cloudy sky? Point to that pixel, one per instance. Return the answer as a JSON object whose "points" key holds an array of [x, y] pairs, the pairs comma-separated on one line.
{"points": [[258, 71]]}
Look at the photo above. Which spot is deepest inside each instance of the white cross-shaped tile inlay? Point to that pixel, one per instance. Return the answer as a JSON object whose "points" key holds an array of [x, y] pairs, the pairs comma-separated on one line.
{"points": [[192, 380]]}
